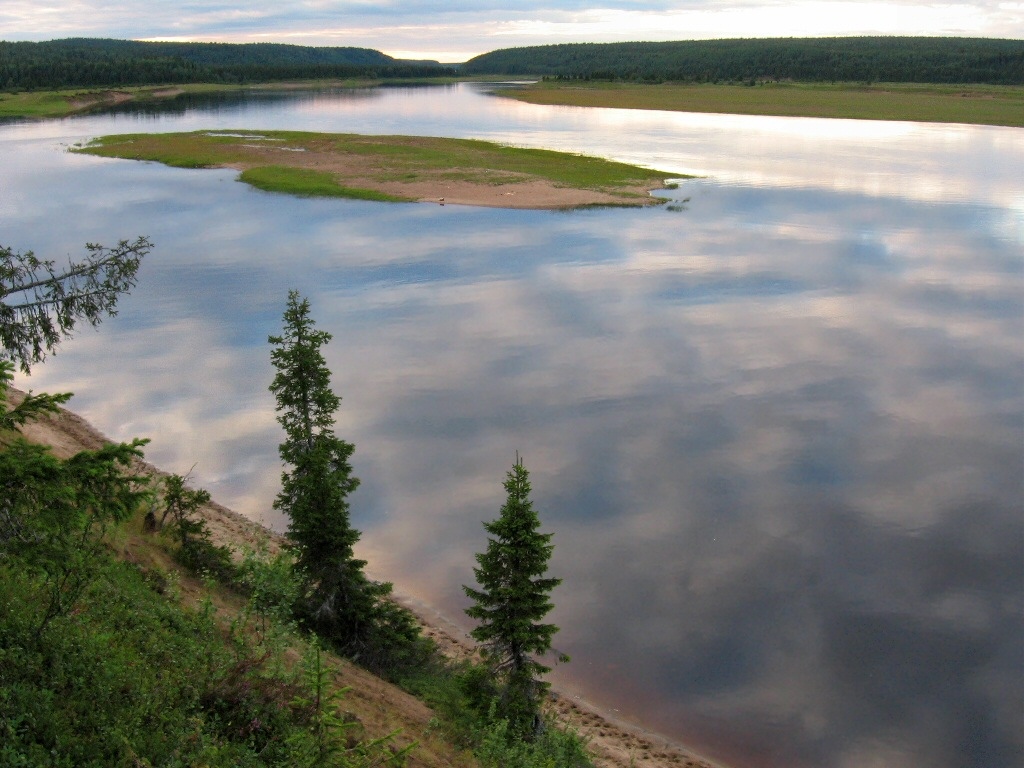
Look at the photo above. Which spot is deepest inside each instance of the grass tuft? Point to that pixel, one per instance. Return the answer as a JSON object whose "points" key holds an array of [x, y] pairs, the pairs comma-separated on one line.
{"points": [[308, 183]]}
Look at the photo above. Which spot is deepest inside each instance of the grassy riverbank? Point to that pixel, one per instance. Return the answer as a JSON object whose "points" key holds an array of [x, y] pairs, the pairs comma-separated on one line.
{"points": [[50, 104], [396, 168], [72, 101], [976, 104], [973, 104]]}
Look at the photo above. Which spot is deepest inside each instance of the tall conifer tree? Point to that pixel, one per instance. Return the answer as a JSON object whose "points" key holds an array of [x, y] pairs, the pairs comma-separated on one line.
{"points": [[512, 600], [314, 493]]}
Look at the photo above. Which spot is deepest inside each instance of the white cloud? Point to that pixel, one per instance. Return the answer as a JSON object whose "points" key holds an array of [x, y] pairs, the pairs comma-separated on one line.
{"points": [[813, 18]]}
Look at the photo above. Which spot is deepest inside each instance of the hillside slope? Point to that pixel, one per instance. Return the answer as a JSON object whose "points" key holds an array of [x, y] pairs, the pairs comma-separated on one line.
{"points": [[380, 706]]}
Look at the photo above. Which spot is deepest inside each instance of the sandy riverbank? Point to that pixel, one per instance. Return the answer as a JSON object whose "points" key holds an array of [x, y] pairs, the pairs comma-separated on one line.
{"points": [[613, 744]]}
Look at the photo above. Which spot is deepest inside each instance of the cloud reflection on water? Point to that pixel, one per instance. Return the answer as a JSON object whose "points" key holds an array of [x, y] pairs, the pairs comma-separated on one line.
{"points": [[777, 436]]}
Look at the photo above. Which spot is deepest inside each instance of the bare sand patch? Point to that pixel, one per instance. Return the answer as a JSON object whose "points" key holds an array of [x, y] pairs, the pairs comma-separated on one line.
{"points": [[534, 194], [98, 99]]}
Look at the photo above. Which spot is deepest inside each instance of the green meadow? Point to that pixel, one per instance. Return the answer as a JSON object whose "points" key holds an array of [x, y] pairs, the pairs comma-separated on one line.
{"points": [[61, 103], [934, 103]]}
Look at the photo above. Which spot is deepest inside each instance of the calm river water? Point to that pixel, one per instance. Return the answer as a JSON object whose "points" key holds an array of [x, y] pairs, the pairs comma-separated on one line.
{"points": [[777, 427]]}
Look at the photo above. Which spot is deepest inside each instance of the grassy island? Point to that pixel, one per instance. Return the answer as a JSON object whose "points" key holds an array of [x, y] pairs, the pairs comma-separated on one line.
{"points": [[397, 168]]}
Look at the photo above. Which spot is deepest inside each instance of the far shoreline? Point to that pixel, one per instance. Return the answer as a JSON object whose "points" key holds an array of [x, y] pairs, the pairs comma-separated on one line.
{"points": [[968, 104], [965, 103]]}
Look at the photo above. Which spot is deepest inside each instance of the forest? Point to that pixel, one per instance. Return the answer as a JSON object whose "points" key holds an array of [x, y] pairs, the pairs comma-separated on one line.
{"points": [[86, 62], [77, 62], [846, 59]]}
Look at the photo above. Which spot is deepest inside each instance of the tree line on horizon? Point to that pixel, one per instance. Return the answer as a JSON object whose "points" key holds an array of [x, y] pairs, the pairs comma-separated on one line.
{"points": [[83, 62], [96, 62], [835, 59]]}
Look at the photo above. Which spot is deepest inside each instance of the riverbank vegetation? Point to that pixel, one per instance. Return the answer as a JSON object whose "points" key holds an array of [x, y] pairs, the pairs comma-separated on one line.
{"points": [[73, 101], [70, 101], [512, 600], [934, 103], [396, 167], [128, 637], [147, 664], [105, 661]]}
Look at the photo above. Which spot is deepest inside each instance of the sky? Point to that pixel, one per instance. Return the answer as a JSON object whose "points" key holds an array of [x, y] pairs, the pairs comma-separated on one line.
{"points": [[457, 30]]}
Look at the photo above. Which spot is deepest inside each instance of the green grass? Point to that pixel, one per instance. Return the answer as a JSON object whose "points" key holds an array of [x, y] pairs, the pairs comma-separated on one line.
{"points": [[61, 103], [353, 165], [176, 151], [306, 183], [131, 678], [974, 104], [486, 161], [70, 101], [151, 667], [35, 105]]}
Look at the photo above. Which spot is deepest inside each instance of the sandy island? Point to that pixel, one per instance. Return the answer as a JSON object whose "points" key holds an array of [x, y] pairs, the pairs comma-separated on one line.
{"points": [[613, 744], [428, 169]]}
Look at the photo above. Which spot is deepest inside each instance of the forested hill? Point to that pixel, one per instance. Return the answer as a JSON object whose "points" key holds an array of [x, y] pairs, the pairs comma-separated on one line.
{"points": [[78, 62], [846, 59]]}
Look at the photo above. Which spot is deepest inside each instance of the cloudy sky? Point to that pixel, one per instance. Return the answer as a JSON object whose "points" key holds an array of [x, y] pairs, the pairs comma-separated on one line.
{"points": [[459, 29]]}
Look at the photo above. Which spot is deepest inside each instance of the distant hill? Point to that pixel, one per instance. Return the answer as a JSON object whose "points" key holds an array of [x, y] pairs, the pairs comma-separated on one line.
{"points": [[75, 62], [222, 54], [93, 62], [847, 59]]}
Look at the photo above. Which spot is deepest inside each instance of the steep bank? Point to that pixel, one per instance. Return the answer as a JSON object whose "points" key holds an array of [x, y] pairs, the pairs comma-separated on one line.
{"points": [[384, 707]]}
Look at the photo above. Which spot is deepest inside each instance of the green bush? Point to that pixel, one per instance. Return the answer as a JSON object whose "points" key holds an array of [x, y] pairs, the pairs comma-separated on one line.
{"points": [[552, 748], [465, 696], [121, 677], [130, 678], [196, 550]]}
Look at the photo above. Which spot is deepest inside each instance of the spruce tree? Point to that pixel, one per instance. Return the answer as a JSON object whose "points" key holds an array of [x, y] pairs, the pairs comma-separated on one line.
{"points": [[512, 600], [55, 513], [338, 598], [40, 302]]}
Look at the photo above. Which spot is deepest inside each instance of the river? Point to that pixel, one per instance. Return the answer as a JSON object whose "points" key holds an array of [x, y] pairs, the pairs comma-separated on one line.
{"points": [[776, 426]]}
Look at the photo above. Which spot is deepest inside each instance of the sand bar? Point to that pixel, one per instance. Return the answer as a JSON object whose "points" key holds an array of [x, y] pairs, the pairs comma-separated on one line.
{"points": [[441, 171]]}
